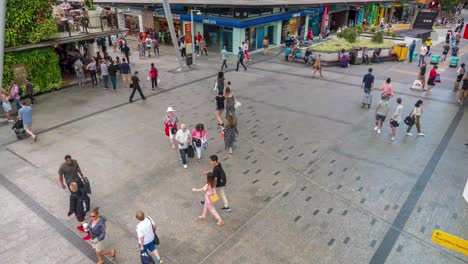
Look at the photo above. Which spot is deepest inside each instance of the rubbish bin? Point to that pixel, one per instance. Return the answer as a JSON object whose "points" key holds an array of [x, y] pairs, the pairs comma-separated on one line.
{"points": [[356, 56], [401, 50]]}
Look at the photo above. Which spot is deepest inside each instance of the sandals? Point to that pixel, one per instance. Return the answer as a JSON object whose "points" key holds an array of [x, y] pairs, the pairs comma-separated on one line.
{"points": [[113, 255]]}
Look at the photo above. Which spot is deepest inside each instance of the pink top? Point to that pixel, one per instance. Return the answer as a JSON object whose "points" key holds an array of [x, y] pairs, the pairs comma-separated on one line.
{"points": [[14, 93], [432, 73], [198, 135], [387, 89], [209, 190]]}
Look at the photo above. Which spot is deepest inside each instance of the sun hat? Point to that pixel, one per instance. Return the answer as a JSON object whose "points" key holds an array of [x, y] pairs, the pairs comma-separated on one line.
{"points": [[170, 109]]}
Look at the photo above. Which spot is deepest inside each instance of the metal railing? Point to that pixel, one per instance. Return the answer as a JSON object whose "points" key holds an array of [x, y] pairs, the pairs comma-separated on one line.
{"points": [[76, 25]]}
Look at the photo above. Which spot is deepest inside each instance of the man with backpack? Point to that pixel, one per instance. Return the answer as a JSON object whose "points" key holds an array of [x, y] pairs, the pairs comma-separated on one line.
{"points": [[240, 59], [220, 176]]}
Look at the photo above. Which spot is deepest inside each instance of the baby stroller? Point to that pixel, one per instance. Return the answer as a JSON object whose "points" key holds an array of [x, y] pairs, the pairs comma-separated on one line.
{"points": [[19, 130]]}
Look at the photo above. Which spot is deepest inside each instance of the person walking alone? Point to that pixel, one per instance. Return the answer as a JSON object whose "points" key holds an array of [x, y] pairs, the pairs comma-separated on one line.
{"points": [[170, 125], [126, 51], [464, 90], [387, 88], [416, 115], [146, 232], [25, 114], [381, 112], [135, 85], [395, 121], [210, 191], [183, 139], [113, 75], [422, 75], [246, 50], [460, 73], [224, 56], [97, 231], [220, 108], [153, 74], [230, 101], [240, 59], [317, 67]]}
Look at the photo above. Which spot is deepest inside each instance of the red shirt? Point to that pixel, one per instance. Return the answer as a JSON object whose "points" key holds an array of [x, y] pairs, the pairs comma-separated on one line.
{"points": [[432, 73], [199, 37]]}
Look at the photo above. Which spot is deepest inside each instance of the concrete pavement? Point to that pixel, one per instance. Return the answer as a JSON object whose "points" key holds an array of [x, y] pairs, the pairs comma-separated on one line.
{"points": [[310, 181]]}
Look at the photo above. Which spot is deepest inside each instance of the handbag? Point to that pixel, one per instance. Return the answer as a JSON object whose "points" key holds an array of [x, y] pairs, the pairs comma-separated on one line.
{"points": [[156, 238], [214, 198], [198, 143], [190, 151], [145, 258], [437, 79], [173, 130], [204, 143], [215, 87], [409, 120], [237, 104]]}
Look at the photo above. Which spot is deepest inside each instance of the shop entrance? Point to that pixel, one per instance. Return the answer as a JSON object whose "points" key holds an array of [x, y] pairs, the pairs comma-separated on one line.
{"points": [[212, 36], [227, 39], [271, 34]]}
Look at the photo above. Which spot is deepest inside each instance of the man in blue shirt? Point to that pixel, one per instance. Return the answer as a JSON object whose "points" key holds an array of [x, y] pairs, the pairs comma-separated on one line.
{"points": [[368, 82], [240, 59], [25, 114]]}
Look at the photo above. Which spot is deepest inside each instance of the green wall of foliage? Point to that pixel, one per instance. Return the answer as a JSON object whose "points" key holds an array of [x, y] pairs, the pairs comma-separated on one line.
{"points": [[41, 64], [29, 22]]}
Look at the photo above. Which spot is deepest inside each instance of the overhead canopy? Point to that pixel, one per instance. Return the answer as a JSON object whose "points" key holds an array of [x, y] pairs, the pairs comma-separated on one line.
{"points": [[239, 2]]}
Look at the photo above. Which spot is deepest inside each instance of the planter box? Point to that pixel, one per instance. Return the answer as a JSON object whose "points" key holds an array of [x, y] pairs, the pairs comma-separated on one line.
{"points": [[94, 19]]}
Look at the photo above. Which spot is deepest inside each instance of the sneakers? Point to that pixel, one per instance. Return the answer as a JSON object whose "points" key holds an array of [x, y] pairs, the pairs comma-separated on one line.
{"points": [[409, 134], [375, 128], [80, 228], [185, 166], [393, 138], [227, 209], [421, 134], [202, 203], [378, 131]]}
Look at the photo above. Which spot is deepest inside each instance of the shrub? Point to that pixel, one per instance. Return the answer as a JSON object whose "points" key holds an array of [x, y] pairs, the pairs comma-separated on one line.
{"points": [[337, 44], [373, 29], [349, 34], [394, 34], [378, 37]]}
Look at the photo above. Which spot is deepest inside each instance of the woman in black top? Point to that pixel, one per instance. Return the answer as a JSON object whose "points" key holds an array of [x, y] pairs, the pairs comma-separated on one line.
{"points": [[220, 108]]}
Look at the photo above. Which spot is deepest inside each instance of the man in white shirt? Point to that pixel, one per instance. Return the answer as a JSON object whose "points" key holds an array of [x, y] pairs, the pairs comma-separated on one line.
{"points": [[422, 54], [105, 74], [183, 138], [245, 47], [146, 229]]}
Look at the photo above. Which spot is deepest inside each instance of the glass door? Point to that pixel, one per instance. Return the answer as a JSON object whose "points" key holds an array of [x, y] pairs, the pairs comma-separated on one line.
{"points": [[271, 34], [227, 39], [260, 36]]}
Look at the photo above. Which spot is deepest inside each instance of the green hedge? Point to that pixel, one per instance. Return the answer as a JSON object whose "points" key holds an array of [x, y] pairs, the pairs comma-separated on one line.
{"points": [[42, 66]]}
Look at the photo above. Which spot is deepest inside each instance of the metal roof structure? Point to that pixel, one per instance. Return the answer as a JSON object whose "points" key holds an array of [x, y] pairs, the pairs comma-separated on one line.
{"points": [[240, 2]]}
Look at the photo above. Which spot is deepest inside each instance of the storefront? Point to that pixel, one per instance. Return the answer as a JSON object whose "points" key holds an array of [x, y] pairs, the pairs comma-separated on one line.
{"points": [[355, 15], [338, 16], [403, 13], [161, 25], [314, 20]]}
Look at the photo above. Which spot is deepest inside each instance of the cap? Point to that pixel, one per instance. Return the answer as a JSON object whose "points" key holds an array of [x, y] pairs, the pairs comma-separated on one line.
{"points": [[170, 109]]}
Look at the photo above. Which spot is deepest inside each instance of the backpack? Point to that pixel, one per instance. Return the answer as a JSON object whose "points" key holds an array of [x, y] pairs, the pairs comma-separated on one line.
{"points": [[222, 179]]}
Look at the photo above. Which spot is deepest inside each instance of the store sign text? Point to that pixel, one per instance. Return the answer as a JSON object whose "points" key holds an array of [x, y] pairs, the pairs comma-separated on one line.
{"points": [[209, 21], [296, 15]]}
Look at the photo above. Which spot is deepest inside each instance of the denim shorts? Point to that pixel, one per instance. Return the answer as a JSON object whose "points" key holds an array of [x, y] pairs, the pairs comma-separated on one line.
{"points": [[380, 118], [149, 247]]}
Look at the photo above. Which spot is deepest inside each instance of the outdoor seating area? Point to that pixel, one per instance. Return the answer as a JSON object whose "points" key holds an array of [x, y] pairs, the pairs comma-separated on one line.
{"points": [[79, 20]]}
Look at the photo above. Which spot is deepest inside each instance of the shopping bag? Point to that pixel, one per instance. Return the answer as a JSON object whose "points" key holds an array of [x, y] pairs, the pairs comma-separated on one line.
{"points": [[417, 85], [437, 79]]}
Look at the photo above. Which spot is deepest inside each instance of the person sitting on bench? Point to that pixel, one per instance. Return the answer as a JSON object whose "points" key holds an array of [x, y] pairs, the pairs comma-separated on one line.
{"points": [[378, 55]]}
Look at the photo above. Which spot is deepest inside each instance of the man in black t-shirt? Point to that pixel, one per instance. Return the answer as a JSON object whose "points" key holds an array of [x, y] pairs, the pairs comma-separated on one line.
{"points": [[220, 175], [422, 75], [368, 82]]}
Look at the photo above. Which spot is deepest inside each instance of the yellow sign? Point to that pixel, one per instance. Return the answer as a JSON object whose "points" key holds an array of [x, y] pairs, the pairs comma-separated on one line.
{"points": [[450, 241]]}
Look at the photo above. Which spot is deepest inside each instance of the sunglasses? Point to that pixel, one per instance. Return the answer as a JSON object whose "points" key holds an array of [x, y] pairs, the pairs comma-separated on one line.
{"points": [[92, 216]]}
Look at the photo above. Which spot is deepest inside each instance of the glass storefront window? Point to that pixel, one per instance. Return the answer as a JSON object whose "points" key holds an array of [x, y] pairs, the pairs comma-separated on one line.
{"points": [[225, 12], [254, 12], [227, 39]]}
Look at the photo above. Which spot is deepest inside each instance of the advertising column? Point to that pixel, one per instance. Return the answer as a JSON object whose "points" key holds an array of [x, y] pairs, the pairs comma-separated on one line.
{"points": [[324, 19], [188, 44]]}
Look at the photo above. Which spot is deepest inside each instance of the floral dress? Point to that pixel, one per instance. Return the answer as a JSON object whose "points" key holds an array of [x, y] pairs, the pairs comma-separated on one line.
{"points": [[230, 134], [230, 109]]}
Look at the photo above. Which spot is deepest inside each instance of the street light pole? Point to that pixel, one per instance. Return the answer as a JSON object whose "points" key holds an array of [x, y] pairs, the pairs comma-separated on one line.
{"points": [[193, 39], [170, 22], [2, 38]]}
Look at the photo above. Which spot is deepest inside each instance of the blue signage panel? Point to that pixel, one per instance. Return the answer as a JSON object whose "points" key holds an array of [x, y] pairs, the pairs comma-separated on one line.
{"points": [[229, 22]]}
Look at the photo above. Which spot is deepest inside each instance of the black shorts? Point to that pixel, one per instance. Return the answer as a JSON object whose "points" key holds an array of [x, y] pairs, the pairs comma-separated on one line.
{"points": [[431, 81], [445, 52], [394, 123]]}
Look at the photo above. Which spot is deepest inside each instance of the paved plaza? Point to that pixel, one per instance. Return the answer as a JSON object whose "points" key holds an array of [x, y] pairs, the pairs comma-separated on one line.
{"points": [[309, 182]]}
